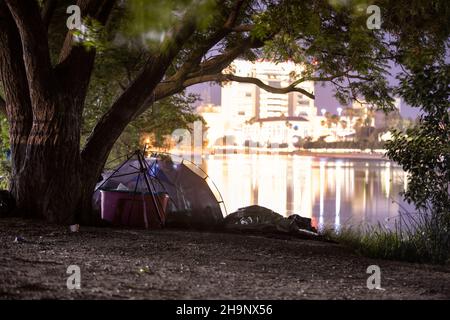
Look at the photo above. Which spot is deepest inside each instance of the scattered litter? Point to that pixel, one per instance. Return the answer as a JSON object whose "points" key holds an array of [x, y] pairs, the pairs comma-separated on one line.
{"points": [[74, 228], [145, 269], [19, 239]]}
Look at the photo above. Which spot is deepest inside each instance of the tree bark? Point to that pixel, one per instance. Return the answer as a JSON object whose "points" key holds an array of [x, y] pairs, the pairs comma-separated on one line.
{"points": [[17, 97], [44, 107], [50, 187], [44, 122]]}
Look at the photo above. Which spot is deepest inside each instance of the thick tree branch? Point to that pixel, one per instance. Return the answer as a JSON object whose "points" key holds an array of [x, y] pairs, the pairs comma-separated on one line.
{"points": [[195, 58], [262, 85], [138, 93], [232, 18], [75, 61], [167, 89], [15, 87], [35, 46], [99, 10], [217, 63], [206, 70]]}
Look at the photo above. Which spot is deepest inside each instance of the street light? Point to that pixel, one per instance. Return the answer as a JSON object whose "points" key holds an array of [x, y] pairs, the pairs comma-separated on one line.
{"points": [[323, 111], [339, 111]]}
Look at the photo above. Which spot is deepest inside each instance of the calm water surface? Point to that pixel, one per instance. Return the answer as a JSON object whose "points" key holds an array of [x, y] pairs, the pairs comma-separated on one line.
{"points": [[333, 192]]}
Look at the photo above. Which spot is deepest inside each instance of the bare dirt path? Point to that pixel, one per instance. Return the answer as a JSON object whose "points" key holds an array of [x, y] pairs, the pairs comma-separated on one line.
{"points": [[174, 264]]}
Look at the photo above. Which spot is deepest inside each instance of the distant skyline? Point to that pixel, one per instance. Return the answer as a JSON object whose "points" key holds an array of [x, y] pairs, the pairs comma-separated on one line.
{"points": [[211, 92]]}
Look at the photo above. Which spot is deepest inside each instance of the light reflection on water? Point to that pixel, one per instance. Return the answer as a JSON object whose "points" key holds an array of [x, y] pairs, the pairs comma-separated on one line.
{"points": [[333, 192]]}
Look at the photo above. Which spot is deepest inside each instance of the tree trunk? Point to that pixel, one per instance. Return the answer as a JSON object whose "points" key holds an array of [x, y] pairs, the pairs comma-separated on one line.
{"points": [[48, 183]]}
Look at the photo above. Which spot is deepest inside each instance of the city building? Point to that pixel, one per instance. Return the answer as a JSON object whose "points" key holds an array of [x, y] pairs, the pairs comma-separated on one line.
{"points": [[212, 114], [249, 113], [276, 131], [364, 112]]}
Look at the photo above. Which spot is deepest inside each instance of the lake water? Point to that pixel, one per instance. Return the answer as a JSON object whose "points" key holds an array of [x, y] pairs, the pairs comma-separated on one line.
{"points": [[332, 192]]}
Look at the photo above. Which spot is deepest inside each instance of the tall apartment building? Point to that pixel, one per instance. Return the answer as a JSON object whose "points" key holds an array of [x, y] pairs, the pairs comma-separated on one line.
{"points": [[242, 102]]}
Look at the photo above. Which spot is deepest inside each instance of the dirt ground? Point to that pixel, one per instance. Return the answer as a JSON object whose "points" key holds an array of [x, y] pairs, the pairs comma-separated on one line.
{"points": [[175, 264]]}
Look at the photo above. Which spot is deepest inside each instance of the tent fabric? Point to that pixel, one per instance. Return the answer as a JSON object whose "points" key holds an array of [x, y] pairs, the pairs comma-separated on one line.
{"points": [[191, 199]]}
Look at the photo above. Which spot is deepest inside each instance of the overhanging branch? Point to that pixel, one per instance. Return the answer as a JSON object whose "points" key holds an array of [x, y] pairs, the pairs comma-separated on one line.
{"points": [[196, 56], [229, 24], [99, 10], [231, 77], [166, 89], [217, 63], [75, 61]]}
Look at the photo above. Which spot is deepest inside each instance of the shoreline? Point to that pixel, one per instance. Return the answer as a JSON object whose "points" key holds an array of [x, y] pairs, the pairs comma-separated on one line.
{"points": [[343, 155], [328, 153]]}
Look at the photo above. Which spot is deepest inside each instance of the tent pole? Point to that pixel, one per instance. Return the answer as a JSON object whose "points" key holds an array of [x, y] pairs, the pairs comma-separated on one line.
{"points": [[160, 183], [144, 167], [115, 171]]}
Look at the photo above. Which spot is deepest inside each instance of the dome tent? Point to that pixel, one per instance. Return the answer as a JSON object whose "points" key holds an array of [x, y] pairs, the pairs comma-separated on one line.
{"points": [[162, 187]]}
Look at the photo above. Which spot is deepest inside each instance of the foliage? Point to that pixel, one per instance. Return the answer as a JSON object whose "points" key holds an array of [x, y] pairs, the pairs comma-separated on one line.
{"points": [[331, 40], [424, 152], [113, 72], [417, 38], [159, 121], [160, 16]]}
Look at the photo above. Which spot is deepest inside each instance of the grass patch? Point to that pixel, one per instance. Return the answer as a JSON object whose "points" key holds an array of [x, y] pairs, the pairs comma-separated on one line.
{"points": [[419, 245]]}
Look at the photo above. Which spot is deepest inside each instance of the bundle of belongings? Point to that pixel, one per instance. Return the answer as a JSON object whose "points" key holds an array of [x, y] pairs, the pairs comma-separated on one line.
{"points": [[259, 219]]}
